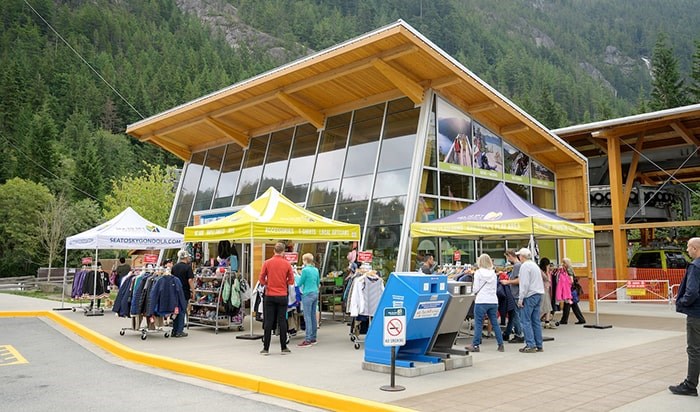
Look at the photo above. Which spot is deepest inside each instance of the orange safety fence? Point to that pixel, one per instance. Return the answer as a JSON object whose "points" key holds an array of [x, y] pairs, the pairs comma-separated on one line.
{"points": [[657, 283]]}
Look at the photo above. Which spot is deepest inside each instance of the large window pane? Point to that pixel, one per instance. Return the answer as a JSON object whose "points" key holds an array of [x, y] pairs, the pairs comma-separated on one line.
{"points": [[428, 183], [189, 189], [543, 198], [430, 158], [522, 190], [356, 186], [387, 211], [301, 165], [276, 161], [329, 163], [383, 241], [392, 183], [427, 209], [210, 176], [484, 186], [454, 185], [398, 143], [450, 206], [364, 140], [230, 170], [252, 170]]}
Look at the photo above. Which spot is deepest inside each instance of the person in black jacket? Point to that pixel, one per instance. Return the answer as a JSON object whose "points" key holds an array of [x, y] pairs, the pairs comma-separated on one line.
{"points": [[183, 271], [688, 302]]}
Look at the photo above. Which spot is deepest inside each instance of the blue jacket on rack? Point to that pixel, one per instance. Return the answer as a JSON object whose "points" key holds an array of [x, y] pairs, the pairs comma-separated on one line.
{"points": [[165, 295]]}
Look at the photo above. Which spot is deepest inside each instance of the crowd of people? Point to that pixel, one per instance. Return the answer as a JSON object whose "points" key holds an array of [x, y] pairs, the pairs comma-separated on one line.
{"points": [[524, 299]]}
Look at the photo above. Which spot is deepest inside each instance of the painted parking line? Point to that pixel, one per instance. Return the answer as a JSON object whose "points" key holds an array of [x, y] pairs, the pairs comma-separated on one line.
{"points": [[10, 356]]}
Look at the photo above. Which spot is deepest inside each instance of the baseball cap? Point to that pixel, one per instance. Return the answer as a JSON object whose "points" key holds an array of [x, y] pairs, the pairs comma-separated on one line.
{"points": [[525, 252], [183, 254]]}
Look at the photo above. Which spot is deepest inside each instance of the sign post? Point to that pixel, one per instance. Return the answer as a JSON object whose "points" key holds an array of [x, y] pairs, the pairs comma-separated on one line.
{"points": [[394, 335]]}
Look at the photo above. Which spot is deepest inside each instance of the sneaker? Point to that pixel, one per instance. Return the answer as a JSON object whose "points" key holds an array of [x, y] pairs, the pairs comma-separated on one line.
{"points": [[264, 352], [583, 322], [517, 339], [501, 348], [313, 342], [472, 348], [286, 351], [683, 389], [540, 349], [527, 349], [180, 335], [563, 323], [305, 344]]}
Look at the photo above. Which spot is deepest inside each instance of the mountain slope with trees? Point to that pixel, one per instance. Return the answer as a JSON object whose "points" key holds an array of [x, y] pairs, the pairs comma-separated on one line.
{"points": [[74, 73]]}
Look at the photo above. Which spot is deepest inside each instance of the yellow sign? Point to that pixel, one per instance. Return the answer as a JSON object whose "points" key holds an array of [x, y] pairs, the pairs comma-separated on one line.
{"points": [[10, 356], [636, 288]]}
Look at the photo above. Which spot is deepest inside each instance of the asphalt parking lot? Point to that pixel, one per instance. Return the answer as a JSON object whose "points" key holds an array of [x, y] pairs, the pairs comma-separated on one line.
{"points": [[42, 370]]}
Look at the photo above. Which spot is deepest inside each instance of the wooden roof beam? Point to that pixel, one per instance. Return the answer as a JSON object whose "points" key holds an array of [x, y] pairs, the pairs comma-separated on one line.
{"points": [[632, 171], [686, 134], [178, 149], [513, 128], [481, 107], [443, 82], [542, 148], [312, 115], [596, 143], [410, 88], [232, 134]]}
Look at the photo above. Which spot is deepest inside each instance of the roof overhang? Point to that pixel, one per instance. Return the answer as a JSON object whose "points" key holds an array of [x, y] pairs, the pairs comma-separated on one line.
{"points": [[667, 140], [388, 63]]}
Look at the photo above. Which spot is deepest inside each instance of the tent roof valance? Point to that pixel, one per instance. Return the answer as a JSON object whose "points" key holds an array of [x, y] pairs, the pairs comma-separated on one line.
{"points": [[127, 230], [272, 216], [503, 214]]}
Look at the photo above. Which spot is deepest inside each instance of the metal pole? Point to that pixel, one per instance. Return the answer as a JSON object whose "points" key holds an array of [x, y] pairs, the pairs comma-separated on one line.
{"points": [[597, 324], [63, 284]]}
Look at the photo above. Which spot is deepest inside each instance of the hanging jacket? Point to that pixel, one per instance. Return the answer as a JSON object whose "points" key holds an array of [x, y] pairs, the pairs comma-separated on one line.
{"points": [[166, 295], [563, 292]]}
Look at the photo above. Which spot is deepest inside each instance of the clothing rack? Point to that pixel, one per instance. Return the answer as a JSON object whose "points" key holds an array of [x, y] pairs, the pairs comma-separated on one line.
{"points": [[135, 300], [363, 293]]}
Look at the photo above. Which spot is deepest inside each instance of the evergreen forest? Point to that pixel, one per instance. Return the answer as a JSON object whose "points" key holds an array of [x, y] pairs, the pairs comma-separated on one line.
{"points": [[75, 73]]}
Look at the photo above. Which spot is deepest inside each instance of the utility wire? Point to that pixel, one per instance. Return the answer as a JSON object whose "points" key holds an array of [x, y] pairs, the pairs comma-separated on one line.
{"points": [[83, 59], [11, 144]]}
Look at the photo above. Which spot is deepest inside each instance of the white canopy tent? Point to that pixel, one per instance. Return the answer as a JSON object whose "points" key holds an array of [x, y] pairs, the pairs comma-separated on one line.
{"points": [[127, 230]]}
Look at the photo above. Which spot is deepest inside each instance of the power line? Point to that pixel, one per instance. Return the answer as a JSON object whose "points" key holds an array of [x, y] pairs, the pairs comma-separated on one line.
{"points": [[12, 145], [84, 61]]}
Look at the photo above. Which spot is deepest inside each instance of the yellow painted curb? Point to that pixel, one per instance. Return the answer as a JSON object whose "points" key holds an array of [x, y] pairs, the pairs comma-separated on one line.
{"points": [[309, 396]]}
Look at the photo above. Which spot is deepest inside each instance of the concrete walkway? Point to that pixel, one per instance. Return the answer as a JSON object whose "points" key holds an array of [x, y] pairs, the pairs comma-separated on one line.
{"points": [[625, 368]]}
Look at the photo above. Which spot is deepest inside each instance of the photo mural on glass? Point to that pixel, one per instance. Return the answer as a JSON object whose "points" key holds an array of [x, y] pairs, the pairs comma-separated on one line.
{"points": [[516, 165], [486, 150], [541, 176], [454, 129]]}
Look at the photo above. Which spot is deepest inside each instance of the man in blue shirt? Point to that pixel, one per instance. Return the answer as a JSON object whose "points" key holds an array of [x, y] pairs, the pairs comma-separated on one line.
{"points": [[688, 302]]}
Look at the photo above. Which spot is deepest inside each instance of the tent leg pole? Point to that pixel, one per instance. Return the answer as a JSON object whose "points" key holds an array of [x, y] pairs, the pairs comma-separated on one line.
{"points": [[250, 335], [597, 324], [63, 284]]}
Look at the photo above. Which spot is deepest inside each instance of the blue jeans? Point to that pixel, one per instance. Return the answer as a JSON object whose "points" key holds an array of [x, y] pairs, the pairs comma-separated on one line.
{"points": [[309, 303], [531, 321], [480, 310], [514, 324], [179, 323]]}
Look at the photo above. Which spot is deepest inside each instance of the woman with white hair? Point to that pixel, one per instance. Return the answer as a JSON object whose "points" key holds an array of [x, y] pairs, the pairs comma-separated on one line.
{"points": [[486, 302]]}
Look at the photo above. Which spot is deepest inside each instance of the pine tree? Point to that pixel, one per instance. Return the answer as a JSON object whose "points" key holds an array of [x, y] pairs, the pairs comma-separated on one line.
{"points": [[668, 90], [694, 88]]}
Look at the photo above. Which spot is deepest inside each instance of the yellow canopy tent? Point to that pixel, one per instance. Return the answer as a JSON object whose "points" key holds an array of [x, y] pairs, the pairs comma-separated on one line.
{"points": [[273, 216], [270, 217]]}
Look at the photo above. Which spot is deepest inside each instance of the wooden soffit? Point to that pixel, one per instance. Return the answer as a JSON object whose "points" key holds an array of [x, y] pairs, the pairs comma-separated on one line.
{"points": [[388, 63]]}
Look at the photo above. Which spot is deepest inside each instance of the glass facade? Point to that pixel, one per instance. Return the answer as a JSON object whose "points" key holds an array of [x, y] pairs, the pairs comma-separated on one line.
{"points": [[358, 169]]}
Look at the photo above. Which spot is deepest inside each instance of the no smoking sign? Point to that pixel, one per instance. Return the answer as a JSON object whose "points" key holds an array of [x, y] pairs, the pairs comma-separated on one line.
{"points": [[394, 326]]}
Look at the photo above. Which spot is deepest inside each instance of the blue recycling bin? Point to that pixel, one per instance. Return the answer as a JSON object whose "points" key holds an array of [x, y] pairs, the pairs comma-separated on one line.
{"points": [[425, 298]]}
